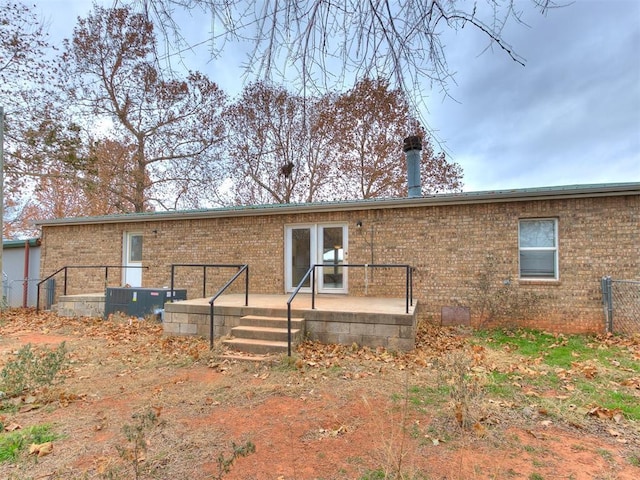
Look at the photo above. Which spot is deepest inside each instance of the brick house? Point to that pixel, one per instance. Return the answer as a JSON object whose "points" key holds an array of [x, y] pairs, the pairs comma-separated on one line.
{"points": [[527, 257]]}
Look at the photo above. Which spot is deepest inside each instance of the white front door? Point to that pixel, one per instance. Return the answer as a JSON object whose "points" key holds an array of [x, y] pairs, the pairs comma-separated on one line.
{"points": [[306, 245], [132, 257]]}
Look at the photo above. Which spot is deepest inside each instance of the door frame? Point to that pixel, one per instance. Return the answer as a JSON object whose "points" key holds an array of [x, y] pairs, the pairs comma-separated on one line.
{"points": [[316, 254], [131, 276]]}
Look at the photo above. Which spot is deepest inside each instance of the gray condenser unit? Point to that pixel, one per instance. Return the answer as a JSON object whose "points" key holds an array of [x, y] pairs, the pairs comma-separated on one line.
{"points": [[139, 302]]}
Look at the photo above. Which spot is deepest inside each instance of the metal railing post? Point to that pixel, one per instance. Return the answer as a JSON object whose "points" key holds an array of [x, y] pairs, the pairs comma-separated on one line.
{"points": [[411, 299], [211, 326], [64, 291], [204, 281], [406, 301], [246, 287], [607, 299], [313, 288], [288, 329], [173, 271]]}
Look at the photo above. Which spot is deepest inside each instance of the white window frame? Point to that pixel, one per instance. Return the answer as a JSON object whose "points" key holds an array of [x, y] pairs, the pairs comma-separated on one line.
{"points": [[554, 249]]}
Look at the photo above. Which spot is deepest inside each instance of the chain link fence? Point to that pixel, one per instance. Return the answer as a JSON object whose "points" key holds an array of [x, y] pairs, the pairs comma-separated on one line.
{"points": [[621, 299], [4, 291]]}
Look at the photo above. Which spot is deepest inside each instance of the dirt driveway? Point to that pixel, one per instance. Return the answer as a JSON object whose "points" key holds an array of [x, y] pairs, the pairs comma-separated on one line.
{"points": [[329, 413]]}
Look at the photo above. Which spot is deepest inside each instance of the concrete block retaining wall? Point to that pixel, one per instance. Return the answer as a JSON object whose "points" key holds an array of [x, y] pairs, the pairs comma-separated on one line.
{"points": [[89, 305], [393, 331]]}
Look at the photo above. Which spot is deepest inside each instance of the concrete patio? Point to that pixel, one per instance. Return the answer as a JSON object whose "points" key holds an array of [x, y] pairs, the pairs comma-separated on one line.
{"points": [[369, 321]]}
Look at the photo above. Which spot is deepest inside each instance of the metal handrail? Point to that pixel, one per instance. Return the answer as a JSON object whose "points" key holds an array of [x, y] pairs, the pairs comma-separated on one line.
{"points": [[204, 267], [311, 271], [67, 267], [242, 268]]}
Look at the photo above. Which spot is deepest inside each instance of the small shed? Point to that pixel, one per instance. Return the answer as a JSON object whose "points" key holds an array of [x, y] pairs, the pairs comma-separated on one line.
{"points": [[20, 271]]}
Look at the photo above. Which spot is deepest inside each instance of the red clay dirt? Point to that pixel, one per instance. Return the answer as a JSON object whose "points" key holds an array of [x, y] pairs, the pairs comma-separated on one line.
{"points": [[331, 413]]}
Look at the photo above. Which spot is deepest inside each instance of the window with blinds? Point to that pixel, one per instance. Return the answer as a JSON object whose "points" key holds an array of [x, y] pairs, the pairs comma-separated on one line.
{"points": [[538, 244]]}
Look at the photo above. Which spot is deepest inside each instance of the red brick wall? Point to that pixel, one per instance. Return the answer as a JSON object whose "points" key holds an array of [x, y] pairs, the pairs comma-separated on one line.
{"points": [[464, 255]]}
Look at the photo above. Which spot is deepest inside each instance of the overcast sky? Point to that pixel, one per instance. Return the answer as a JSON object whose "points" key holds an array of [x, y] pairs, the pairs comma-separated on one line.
{"points": [[570, 116]]}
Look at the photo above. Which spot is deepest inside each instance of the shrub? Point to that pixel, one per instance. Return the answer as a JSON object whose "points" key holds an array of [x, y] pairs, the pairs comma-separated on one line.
{"points": [[31, 370]]}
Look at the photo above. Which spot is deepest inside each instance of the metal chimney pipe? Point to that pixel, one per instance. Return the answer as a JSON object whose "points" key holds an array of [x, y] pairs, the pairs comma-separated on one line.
{"points": [[413, 148]]}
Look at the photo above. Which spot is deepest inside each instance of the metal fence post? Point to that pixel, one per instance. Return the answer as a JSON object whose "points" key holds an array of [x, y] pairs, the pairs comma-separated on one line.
{"points": [[607, 300]]}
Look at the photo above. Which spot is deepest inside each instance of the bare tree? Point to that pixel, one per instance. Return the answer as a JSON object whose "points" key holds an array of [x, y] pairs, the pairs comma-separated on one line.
{"points": [[321, 43], [285, 148], [369, 120], [273, 155], [24, 71], [168, 125], [23, 46]]}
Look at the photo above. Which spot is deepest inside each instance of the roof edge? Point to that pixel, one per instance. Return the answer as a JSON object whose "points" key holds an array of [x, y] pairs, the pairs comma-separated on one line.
{"points": [[491, 196], [20, 243]]}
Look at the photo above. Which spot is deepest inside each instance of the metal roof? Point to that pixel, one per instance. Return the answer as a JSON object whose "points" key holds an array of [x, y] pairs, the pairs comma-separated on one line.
{"points": [[460, 198], [33, 242]]}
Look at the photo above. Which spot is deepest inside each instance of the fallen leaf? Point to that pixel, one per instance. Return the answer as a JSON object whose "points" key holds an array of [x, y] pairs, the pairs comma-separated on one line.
{"points": [[28, 408], [479, 429], [537, 435], [12, 427], [41, 449], [606, 414]]}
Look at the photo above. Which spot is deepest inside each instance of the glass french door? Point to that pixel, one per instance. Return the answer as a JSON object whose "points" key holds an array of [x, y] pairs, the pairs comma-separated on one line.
{"points": [[307, 245]]}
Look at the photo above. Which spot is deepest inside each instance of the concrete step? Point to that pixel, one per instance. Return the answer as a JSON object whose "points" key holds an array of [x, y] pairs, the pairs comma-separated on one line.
{"points": [[236, 356], [250, 345], [271, 322], [262, 334], [265, 333]]}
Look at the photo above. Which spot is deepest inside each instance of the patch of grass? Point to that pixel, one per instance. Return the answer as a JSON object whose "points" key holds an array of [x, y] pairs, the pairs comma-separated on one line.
{"points": [[377, 474], [499, 384], [421, 396], [14, 443], [606, 454], [598, 392], [587, 387], [535, 476], [626, 402], [628, 364], [548, 380], [380, 474], [8, 408], [237, 451], [526, 342], [611, 365], [554, 350], [287, 363]]}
